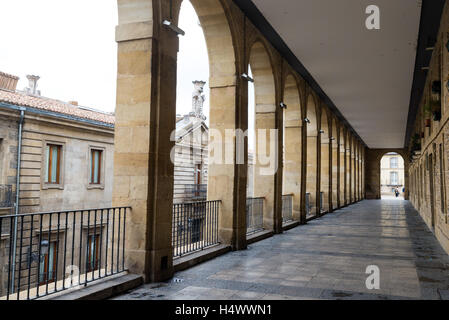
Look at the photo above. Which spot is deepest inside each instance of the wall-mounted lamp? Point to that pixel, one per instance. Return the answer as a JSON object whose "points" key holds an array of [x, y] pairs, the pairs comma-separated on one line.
{"points": [[247, 77], [321, 131], [173, 28], [332, 138], [283, 105], [306, 120]]}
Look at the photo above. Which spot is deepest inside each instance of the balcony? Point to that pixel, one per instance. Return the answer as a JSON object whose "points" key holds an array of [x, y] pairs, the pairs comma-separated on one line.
{"points": [[47, 253], [195, 192]]}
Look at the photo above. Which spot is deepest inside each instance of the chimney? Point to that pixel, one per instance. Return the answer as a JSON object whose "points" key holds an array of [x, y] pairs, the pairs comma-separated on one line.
{"points": [[73, 103], [8, 82], [32, 83]]}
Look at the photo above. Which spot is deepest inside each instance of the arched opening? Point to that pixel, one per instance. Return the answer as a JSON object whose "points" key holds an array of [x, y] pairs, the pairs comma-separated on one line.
{"points": [[292, 148], [392, 181], [312, 158], [335, 155], [324, 167], [192, 111], [260, 207]]}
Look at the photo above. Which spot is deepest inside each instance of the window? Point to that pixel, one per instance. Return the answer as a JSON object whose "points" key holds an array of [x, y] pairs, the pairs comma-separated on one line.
{"points": [[53, 164], [92, 253], [394, 163], [95, 166], [394, 178], [47, 267]]}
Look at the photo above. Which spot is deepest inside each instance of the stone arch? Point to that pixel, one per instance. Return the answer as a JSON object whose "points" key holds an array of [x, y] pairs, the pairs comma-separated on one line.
{"points": [[325, 150], [292, 126], [312, 156], [266, 147], [379, 162]]}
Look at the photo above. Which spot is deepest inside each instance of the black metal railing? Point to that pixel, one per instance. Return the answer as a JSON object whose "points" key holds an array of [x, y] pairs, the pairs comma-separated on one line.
{"points": [[195, 226], [308, 205], [196, 192], [322, 202], [6, 196], [287, 208], [50, 252], [254, 215]]}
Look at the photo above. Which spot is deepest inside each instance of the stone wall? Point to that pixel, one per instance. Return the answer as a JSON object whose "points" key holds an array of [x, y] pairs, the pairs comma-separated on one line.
{"points": [[429, 168]]}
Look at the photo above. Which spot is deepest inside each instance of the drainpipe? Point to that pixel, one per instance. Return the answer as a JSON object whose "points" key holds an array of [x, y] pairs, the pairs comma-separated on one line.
{"points": [[19, 157]]}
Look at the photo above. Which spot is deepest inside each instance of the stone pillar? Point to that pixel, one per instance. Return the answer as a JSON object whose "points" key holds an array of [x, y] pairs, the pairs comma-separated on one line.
{"points": [[348, 172], [335, 173], [311, 177], [293, 146], [325, 172], [145, 118]]}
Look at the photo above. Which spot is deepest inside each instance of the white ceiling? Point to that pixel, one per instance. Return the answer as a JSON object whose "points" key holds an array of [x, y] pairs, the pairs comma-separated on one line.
{"points": [[368, 74]]}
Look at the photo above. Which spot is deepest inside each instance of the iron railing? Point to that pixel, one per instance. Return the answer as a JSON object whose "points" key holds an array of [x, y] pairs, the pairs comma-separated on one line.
{"points": [[321, 202], [196, 192], [308, 205], [254, 215], [195, 226], [287, 208], [6, 196], [56, 251]]}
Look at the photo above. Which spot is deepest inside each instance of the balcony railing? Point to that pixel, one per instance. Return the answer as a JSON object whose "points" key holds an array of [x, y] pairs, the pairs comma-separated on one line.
{"points": [[308, 205], [6, 196], [196, 192], [287, 208], [254, 215], [55, 251], [322, 202], [195, 226]]}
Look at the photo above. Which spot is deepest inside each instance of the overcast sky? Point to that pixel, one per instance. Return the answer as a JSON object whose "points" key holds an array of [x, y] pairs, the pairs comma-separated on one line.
{"points": [[71, 45]]}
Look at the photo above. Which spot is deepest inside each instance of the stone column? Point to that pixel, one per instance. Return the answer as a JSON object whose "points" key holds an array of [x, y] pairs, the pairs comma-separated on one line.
{"points": [[324, 172], [335, 173], [293, 150], [145, 118]]}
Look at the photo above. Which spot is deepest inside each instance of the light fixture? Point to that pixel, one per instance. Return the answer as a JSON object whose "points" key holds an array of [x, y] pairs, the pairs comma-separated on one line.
{"points": [[173, 28], [321, 131], [332, 138], [44, 247], [307, 120], [247, 77], [283, 105]]}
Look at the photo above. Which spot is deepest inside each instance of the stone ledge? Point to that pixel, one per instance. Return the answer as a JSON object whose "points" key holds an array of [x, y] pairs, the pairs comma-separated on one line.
{"points": [[258, 236], [199, 257], [290, 225], [101, 289]]}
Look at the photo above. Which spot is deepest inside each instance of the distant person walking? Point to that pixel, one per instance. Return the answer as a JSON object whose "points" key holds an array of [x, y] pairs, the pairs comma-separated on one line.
{"points": [[396, 192]]}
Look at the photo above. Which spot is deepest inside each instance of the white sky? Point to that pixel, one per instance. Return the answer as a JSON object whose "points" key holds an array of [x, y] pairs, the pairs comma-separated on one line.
{"points": [[71, 45]]}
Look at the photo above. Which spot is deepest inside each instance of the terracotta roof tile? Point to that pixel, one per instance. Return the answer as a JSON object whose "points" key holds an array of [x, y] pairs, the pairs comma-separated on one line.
{"points": [[22, 99]]}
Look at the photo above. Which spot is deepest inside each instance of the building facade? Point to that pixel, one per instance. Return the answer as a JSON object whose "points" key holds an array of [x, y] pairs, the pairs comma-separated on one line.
{"points": [[65, 162], [391, 174]]}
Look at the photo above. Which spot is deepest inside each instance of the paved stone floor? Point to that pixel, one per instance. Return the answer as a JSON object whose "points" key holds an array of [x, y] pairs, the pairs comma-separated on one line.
{"points": [[325, 259]]}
